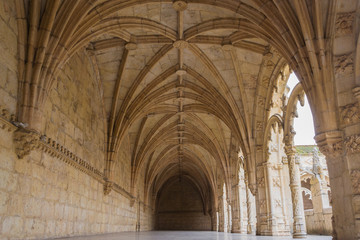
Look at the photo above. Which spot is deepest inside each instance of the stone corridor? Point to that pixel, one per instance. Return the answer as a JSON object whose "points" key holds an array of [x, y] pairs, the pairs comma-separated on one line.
{"points": [[145, 115]]}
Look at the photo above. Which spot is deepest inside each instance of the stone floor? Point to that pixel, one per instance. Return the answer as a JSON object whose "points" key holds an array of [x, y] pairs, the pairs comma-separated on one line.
{"points": [[176, 235]]}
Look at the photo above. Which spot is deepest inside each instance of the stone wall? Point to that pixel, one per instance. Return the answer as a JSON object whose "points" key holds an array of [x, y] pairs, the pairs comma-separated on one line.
{"points": [[46, 194], [180, 208], [8, 56], [319, 223], [44, 197]]}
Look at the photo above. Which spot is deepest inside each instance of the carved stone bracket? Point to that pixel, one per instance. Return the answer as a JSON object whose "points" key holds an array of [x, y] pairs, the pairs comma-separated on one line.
{"points": [[25, 141], [330, 143], [107, 187]]}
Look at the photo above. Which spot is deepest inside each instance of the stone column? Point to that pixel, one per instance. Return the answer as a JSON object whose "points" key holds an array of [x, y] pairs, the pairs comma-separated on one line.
{"points": [[238, 219], [342, 157], [235, 207], [250, 203], [319, 188], [297, 201], [215, 220], [270, 199]]}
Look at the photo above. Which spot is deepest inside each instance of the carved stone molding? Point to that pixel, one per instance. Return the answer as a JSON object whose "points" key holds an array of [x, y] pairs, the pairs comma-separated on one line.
{"points": [[352, 143], [344, 23], [330, 143], [25, 141], [350, 113], [344, 64], [355, 181]]}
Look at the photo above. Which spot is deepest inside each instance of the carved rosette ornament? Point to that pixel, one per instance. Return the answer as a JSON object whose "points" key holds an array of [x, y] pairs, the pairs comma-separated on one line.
{"points": [[344, 23], [181, 44], [179, 5], [25, 141]]}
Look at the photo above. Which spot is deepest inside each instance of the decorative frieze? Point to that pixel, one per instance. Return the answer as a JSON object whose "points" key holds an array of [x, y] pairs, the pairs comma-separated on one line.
{"points": [[352, 143], [332, 150], [344, 23]]}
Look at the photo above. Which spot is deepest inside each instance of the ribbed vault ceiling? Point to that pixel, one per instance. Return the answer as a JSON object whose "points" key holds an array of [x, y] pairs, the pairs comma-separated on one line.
{"points": [[181, 80], [188, 83]]}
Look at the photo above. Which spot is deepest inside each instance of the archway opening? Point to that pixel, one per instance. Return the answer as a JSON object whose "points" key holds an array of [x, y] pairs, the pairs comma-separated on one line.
{"points": [[180, 207], [314, 176]]}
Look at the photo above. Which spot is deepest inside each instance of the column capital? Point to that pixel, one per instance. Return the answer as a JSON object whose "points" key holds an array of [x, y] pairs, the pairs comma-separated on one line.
{"points": [[330, 143]]}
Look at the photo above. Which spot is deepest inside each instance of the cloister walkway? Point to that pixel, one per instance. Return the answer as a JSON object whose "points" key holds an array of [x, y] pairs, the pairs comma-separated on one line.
{"points": [[184, 235]]}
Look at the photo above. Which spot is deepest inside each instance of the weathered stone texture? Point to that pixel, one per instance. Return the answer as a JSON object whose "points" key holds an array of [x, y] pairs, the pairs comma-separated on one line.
{"points": [[8, 56]]}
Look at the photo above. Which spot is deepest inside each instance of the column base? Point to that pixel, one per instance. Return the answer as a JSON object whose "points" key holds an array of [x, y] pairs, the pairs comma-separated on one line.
{"points": [[299, 235]]}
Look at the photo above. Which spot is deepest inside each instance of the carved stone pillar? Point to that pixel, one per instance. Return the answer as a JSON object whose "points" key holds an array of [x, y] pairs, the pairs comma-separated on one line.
{"points": [[235, 207], [215, 220], [342, 157], [250, 203], [295, 186], [239, 220], [271, 216]]}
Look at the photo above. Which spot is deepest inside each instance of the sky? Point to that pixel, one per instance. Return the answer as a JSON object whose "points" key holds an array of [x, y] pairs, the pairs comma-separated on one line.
{"points": [[303, 125]]}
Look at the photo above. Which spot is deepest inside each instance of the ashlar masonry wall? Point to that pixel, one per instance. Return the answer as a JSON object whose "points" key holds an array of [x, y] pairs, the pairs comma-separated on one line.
{"points": [[46, 194]]}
